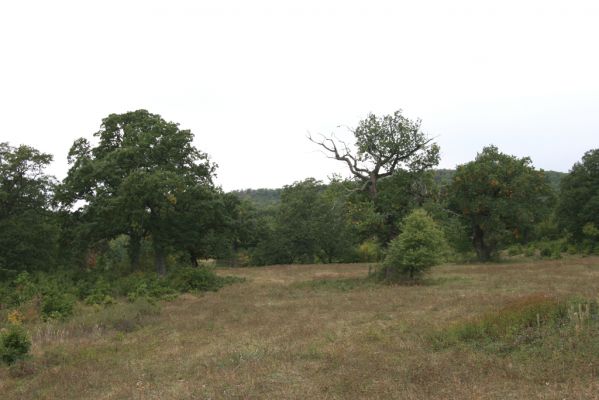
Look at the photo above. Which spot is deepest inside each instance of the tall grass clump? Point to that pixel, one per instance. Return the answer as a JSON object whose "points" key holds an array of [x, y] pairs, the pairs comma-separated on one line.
{"points": [[537, 320]]}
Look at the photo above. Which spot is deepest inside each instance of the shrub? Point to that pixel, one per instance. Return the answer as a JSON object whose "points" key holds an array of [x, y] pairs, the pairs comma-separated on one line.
{"points": [[57, 305], [99, 299], [100, 293], [369, 251], [529, 251], [551, 249], [24, 289], [189, 279], [572, 249], [545, 250], [515, 250], [420, 246], [14, 344]]}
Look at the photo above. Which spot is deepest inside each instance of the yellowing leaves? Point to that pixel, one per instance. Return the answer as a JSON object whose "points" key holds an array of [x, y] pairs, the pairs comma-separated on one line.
{"points": [[171, 198]]}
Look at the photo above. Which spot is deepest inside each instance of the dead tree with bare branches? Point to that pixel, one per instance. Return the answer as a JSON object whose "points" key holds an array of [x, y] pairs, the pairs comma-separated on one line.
{"points": [[383, 145]]}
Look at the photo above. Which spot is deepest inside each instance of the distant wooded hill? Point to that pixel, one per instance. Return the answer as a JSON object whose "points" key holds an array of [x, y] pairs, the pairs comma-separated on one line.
{"points": [[260, 197], [270, 197]]}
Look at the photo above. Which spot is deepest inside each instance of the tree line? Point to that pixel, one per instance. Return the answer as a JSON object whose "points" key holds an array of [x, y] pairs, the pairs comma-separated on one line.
{"points": [[140, 196]]}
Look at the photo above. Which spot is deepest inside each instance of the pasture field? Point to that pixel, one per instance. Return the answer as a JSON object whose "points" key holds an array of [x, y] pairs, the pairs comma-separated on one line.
{"points": [[320, 332]]}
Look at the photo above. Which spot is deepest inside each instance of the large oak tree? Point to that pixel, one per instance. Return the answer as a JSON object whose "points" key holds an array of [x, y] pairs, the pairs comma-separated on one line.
{"points": [[134, 181], [579, 197], [500, 197], [28, 230]]}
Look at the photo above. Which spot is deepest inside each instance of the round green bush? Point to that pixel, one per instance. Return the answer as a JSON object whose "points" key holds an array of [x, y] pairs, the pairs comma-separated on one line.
{"points": [[14, 344], [57, 305], [420, 245]]}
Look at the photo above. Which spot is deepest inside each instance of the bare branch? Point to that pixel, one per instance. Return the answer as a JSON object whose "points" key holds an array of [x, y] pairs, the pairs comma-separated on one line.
{"points": [[330, 145]]}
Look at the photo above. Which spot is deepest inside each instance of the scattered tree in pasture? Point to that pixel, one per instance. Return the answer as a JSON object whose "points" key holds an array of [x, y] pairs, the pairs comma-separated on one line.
{"points": [[135, 179], [500, 197], [383, 145]]}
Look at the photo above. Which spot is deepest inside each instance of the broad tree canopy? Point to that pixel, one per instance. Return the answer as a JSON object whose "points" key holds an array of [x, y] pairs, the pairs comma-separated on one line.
{"points": [[383, 145], [133, 181], [501, 197], [28, 232], [579, 196]]}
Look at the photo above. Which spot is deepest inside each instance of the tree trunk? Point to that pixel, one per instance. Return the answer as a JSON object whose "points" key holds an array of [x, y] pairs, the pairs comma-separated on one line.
{"points": [[483, 251], [134, 250], [160, 261], [372, 186], [387, 272], [194, 259]]}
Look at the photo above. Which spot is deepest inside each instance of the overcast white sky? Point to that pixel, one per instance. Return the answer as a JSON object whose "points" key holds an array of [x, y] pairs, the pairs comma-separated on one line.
{"points": [[251, 78]]}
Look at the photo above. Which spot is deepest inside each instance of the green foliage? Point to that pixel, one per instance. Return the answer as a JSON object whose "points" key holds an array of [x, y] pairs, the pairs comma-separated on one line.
{"points": [[114, 256], [398, 195], [579, 197], [456, 232], [260, 198], [28, 230], [515, 250], [23, 289], [14, 344], [420, 246], [392, 142], [142, 179], [311, 225], [196, 279], [590, 242], [57, 305], [370, 251], [530, 250], [552, 249], [501, 197], [383, 146]]}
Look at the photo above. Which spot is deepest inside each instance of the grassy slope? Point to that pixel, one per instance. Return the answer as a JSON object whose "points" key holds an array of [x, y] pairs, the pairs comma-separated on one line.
{"points": [[279, 335]]}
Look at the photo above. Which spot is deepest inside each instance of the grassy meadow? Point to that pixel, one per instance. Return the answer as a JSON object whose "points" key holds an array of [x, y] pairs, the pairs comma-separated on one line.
{"points": [[327, 332]]}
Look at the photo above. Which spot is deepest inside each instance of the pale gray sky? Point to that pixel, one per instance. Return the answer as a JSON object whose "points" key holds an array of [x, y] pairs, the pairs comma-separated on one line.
{"points": [[251, 78]]}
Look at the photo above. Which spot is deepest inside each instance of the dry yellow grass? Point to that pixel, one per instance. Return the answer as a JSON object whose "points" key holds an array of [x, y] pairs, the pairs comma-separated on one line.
{"points": [[277, 337]]}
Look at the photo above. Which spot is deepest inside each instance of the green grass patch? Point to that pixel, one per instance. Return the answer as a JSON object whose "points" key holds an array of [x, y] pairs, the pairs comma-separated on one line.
{"points": [[536, 321]]}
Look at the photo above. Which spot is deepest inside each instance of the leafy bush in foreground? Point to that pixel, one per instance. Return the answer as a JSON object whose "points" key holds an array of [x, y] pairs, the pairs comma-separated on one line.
{"points": [[14, 344], [420, 246], [53, 296]]}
